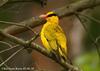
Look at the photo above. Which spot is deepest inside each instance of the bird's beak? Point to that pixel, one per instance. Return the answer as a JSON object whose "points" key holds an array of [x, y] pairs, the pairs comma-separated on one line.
{"points": [[43, 16]]}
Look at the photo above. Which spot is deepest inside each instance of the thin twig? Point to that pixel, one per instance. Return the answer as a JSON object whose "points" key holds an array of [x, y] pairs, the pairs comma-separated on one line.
{"points": [[5, 43], [90, 18], [97, 39], [91, 37], [37, 48], [11, 56], [2, 61], [33, 38], [17, 24], [9, 48]]}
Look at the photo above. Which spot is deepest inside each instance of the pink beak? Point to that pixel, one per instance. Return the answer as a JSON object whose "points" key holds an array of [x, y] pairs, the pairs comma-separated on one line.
{"points": [[43, 16]]}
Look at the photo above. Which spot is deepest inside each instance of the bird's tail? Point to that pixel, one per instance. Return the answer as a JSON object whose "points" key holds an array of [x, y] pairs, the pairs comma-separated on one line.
{"points": [[63, 58]]}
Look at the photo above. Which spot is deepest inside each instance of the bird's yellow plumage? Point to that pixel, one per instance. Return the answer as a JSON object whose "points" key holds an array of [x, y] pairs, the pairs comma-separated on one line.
{"points": [[53, 37]]}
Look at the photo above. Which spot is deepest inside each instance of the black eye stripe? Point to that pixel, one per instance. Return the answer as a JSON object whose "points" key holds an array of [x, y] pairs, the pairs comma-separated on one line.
{"points": [[52, 15]]}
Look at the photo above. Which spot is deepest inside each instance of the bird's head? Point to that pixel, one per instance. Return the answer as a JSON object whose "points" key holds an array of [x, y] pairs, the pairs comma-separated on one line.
{"points": [[50, 17]]}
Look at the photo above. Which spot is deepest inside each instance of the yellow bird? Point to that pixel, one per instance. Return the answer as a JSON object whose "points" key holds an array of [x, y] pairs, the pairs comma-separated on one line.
{"points": [[53, 37]]}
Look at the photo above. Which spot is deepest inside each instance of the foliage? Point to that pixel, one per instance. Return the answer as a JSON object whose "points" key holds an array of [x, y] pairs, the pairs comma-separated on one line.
{"points": [[88, 61]]}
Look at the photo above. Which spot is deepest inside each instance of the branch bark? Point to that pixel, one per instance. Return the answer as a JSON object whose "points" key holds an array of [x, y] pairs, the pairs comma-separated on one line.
{"points": [[28, 44], [2, 2], [67, 10]]}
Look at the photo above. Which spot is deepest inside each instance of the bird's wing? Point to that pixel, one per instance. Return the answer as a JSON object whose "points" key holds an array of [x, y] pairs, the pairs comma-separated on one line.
{"points": [[57, 40], [48, 37], [61, 40], [49, 34], [55, 36]]}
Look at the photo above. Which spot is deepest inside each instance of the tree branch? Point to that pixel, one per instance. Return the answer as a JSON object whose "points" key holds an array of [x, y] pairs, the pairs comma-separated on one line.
{"points": [[2, 2], [8, 48], [18, 25], [11, 56], [27, 44], [67, 10], [33, 22]]}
